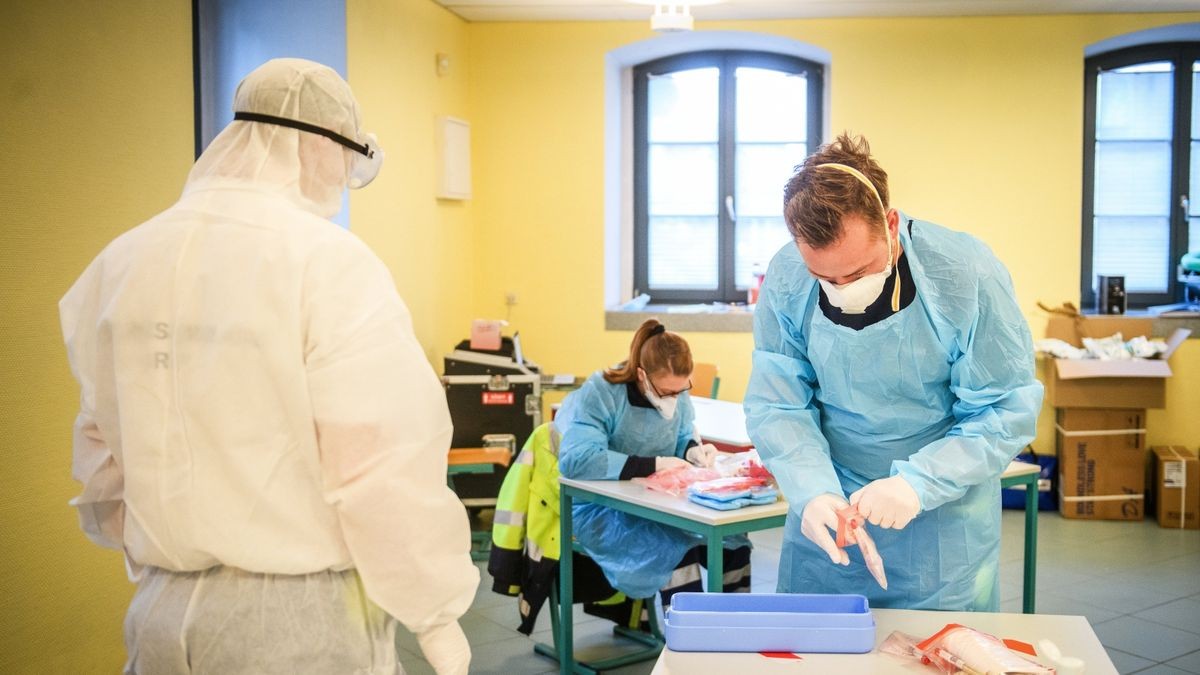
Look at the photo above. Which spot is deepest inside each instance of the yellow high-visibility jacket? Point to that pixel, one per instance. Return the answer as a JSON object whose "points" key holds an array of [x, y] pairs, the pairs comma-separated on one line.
{"points": [[525, 530]]}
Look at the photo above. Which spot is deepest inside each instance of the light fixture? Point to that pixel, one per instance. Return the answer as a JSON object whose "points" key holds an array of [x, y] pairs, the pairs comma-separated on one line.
{"points": [[670, 17]]}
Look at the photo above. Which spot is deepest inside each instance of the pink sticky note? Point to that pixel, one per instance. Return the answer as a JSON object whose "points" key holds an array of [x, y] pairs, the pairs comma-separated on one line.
{"points": [[485, 334]]}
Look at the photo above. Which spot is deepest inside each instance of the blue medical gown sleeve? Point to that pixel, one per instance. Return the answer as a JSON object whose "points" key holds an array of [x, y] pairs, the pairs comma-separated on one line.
{"points": [[584, 453], [997, 396], [781, 413]]}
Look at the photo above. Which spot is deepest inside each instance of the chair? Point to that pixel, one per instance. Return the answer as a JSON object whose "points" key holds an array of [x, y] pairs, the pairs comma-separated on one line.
{"points": [[531, 490], [477, 460], [705, 380]]}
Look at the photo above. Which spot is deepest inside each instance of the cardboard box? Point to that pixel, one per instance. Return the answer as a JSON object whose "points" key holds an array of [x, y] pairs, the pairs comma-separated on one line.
{"points": [[1177, 487], [1092, 383], [1101, 463]]}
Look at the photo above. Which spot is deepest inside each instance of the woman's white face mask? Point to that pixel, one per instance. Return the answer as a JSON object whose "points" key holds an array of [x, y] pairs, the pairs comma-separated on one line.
{"points": [[856, 296], [664, 405]]}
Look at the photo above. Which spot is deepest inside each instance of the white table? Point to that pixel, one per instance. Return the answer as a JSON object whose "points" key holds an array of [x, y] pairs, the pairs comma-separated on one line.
{"points": [[1072, 634], [722, 423], [659, 507]]}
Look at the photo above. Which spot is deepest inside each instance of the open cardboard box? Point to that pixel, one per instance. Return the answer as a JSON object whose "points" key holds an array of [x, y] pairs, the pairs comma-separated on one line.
{"points": [[1091, 383]]}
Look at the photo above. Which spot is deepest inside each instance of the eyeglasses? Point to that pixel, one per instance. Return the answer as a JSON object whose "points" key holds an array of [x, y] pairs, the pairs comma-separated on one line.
{"points": [[668, 394]]}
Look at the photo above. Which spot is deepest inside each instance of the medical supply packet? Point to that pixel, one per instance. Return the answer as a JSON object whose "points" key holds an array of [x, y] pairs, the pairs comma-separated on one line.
{"points": [[676, 481], [734, 492], [959, 649], [852, 530]]}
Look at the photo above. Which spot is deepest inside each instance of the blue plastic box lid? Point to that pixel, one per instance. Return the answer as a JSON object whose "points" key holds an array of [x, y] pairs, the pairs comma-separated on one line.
{"points": [[754, 622]]}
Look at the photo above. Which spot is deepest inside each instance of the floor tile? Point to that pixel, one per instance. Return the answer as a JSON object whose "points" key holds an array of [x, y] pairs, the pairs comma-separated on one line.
{"points": [[1189, 662], [1011, 590], [509, 618], [1166, 578], [644, 668], [759, 584], [1183, 614], [486, 597], [1127, 663], [1011, 605], [586, 652], [1162, 669], [1052, 572], [1146, 639], [596, 641], [772, 538], [601, 627], [1048, 603], [481, 630], [406, 641], [415, 665], [1114, 595], [511, 657]]}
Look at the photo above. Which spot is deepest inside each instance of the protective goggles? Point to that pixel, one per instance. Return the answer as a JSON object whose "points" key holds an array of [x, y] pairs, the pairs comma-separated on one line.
{"points": [[367, 160]]}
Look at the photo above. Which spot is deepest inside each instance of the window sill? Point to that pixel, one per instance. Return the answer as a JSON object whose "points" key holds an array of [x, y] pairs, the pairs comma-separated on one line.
{"points": [[685, 318], [1162, 325], [740, 319]]}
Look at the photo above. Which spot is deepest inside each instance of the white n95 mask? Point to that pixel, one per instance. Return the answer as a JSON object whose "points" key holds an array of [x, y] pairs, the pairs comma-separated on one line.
{"points": [[856, 296], [664, 406]]}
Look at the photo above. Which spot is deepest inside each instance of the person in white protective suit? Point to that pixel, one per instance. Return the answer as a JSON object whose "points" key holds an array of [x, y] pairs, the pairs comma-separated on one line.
{"points": [[260, 431]]}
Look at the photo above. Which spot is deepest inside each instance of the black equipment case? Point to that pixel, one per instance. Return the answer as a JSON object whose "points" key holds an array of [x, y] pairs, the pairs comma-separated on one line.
{"points": [[490, 392]]}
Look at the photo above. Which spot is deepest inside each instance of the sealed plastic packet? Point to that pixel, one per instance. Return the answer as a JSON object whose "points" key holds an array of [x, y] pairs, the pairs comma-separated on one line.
{"points": [[959, 649], [726, 494], [851, 531], [676, 481]]}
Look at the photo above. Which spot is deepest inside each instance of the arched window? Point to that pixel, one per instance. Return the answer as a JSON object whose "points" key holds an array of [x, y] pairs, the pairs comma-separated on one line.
{"points": [[716, 134], [1141, 180]]}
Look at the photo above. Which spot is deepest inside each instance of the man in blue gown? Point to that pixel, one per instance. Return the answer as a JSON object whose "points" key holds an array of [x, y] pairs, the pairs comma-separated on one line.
{"points": [[892, 370]]}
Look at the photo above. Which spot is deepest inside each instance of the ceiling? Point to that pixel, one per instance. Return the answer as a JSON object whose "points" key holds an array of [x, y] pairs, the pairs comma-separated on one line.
{"points": [[707, 10]]}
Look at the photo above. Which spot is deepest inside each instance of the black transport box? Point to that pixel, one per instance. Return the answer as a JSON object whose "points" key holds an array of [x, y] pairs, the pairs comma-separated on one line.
{"points": [[490, 392]]}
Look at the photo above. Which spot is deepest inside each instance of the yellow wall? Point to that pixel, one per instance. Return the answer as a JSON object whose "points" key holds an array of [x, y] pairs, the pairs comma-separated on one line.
{"points": [[96, 131], [1178, 424], [426, 242], [97, 136], [977, 120]]}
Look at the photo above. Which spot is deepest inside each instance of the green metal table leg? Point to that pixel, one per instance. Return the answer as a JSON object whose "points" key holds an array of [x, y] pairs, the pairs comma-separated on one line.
{"points": [[566, 585], [716, 562], [1031, 514], [562, 623], [714, 536]]}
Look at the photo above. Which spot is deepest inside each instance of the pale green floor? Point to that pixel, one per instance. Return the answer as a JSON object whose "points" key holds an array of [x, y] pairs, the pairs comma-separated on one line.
{"points": [[1137, 584]]}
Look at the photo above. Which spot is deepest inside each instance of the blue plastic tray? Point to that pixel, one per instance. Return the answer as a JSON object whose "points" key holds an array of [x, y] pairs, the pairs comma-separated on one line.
{"points": [[770, 622]]}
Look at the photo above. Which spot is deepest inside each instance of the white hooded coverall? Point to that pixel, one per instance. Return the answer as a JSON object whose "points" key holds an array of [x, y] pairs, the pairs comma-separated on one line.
{"points": [[259, 428]]}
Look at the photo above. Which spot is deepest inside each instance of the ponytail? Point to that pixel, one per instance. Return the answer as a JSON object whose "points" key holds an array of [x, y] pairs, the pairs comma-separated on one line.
{"points": [[653, 349]]}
